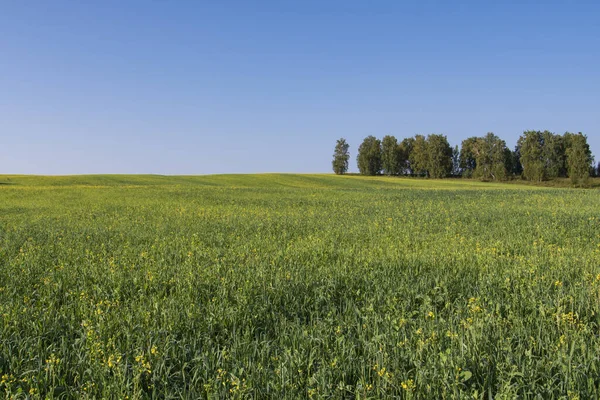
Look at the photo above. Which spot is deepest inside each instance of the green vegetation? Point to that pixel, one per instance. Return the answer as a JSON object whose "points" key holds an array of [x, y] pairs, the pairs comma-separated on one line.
{"points": [[297, 286], [369, 158], [578, 157], [390, 156], [341, 156], [538, 156], [490, 157]]}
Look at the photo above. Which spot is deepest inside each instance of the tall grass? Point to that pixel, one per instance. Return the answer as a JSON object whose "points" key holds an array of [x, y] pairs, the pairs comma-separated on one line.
{"points": [[297, 286]]}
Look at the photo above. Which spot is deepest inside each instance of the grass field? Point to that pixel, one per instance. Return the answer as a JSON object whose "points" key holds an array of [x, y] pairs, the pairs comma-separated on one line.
{"points": [[297, 286]]}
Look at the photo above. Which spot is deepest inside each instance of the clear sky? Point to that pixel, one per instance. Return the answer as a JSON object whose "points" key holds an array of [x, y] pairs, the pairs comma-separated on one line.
{"points": [[200, 87]]}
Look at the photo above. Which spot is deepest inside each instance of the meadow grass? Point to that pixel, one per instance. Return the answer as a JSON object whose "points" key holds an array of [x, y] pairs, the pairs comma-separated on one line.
{"points": [[297, 286]]}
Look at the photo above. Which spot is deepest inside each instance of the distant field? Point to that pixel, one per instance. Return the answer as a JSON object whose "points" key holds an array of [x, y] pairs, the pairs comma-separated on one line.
{"points": [[297, 286]]}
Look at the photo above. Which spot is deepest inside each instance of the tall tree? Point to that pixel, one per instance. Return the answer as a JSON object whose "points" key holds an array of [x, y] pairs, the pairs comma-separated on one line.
{"points": [[456, 170], [579, 157], [490, 156], [467, 157], [341, 156], [419, 156], [531, 144], [509, 161], [515, 162], [390, 155], [543, 155], [369, 156], [439, 156], [553, 155], [405, 148]]}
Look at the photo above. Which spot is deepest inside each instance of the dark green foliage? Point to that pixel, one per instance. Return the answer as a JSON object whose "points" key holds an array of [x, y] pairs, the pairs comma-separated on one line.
{"points": [[431, 156], [553, 155], [516, 168], [419, 157], [405, 150], [390, 156], [467, 157], [369, 156], [439, 156], [508, 162], [545, 155], [490, 155], [579, 157], [531, 144], [341, 156], [538, 156]]}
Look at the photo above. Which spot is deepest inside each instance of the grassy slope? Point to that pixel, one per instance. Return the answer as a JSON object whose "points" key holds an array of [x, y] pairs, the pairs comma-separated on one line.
{"points": [[241, 180], [271, 180]]}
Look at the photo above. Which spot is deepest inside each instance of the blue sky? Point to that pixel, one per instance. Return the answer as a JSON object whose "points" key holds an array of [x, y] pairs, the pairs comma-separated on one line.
{"points": [[176, 87]]}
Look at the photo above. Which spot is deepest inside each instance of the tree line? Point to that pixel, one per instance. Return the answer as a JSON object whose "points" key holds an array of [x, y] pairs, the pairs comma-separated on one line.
{"points": [[537, 156]]}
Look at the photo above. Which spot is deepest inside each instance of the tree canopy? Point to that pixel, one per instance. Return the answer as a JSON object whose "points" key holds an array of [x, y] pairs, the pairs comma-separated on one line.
{"points": [[419, 157], [538, 155], [530, 145], [467, 157], [341, 157], [579, 160], [439, 156], [490, 157], [390, 155], [369, 156]]}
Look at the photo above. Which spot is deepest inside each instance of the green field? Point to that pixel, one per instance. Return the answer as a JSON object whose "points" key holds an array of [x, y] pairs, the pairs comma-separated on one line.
{"points": [[297, 286]]}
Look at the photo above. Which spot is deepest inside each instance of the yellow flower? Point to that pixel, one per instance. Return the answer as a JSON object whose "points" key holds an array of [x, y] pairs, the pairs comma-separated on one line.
{"points": [[53, 360], [408, 385], [451, 335], [5, 379]]}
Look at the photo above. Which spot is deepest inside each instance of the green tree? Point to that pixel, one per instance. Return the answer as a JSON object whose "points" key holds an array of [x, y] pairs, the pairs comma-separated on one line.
{"points": [[516, 168], [553, 155], [419, 156], [531, 144], [543, 155], [579, 157], [509, 160], [467, 157], [341, 156], [456, 170], [390, 156], [490, 157], [405, 149], [439, 156], [369, 156]]}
